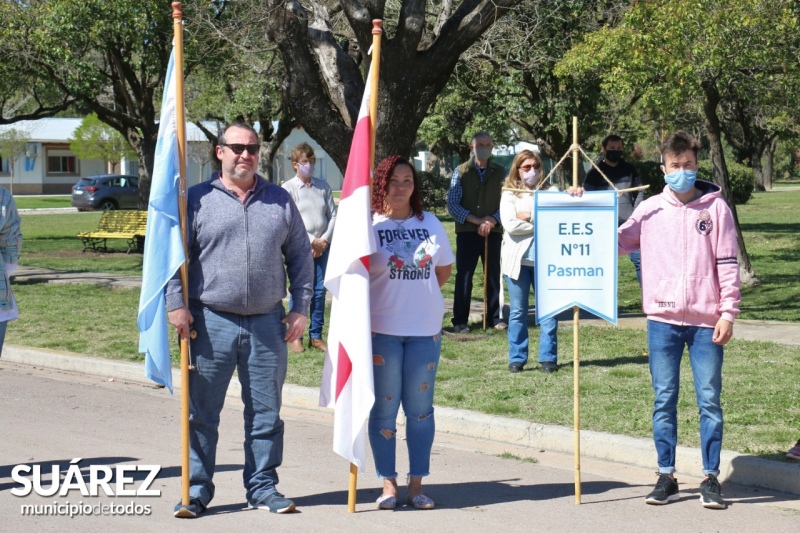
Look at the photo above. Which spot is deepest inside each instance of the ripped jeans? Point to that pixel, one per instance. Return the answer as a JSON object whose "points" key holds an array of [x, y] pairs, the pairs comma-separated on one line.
{"points": [[405, 371]]}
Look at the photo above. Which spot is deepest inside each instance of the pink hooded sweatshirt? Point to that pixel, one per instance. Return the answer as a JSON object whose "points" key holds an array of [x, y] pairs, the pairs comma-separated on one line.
{"points": [[690, 274]]}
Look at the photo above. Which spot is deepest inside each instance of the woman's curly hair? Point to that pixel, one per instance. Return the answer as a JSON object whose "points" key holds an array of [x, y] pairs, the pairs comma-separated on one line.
{"points": [[380, 186]]}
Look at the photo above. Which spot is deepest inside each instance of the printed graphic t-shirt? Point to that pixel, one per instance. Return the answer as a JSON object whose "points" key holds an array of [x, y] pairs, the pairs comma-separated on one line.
{"points": [[405, 299]]}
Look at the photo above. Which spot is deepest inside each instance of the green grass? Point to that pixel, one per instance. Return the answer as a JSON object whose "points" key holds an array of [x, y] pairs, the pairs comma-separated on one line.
{"points": [[760, 385], [771, 227], [41, 202], [509, 455], [49, 241]]}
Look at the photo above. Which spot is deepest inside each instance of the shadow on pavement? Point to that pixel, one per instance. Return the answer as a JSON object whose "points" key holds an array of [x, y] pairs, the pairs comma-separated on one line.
{"points": [[474, 494]]}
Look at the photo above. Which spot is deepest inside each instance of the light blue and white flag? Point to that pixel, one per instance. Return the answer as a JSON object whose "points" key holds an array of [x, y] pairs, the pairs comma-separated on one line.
{"points": [[163, 247]]}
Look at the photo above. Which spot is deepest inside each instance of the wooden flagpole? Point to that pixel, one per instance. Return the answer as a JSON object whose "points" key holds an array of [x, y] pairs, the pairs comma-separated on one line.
{"points": [[180, 118], [374, 78], [576, 366]]}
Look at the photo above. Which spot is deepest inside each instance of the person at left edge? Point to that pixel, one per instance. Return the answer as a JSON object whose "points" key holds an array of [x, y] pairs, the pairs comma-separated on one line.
{"points": [[10, 246], [413, 261], [314, 200], [244, 237]]}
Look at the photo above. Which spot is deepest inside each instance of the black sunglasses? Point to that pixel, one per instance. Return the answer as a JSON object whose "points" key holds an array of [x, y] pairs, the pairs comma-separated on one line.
{"points": [[526, 168], [237, 149]]}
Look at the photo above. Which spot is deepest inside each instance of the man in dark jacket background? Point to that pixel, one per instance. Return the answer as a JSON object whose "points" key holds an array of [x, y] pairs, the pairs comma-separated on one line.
{"points": [[474, 202], [624, 176]]}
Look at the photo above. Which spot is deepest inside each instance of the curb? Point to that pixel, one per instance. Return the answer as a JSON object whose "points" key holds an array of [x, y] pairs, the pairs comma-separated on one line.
{"points": [[736, 468]]}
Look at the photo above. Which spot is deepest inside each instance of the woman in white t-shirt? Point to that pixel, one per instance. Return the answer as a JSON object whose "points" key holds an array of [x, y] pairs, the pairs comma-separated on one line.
{"points": [[413, 261]]}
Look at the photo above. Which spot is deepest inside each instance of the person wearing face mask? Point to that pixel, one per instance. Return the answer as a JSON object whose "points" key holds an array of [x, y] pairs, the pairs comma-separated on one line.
{"points": [[690, 294], [624, 176], [314, 200], [474, 202], [517, 258]]}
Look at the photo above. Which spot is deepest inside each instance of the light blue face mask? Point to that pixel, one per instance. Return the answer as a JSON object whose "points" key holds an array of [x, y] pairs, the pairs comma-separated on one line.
{"points": [[681, 181]]}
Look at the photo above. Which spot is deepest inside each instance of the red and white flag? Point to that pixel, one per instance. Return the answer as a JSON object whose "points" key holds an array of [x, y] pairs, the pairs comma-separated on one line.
{"points": [[347, 384]]}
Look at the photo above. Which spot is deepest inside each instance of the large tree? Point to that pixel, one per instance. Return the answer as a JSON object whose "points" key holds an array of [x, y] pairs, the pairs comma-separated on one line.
{"points": [[754, 116], [672, 52], [323, 44], [505, 82], [109, 56], [24, 95]]}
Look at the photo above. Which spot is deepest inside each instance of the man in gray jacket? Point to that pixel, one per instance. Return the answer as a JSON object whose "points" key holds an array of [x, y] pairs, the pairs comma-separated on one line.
{"points": [[245, 236]]}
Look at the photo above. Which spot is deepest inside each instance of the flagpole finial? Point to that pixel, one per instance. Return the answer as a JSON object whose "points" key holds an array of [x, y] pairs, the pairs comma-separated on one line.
{"points": [[377, 26], [176, 10]]}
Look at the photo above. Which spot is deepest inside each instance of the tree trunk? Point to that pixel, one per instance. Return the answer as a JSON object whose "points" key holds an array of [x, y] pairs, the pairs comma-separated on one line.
{"points": [[324, 85], [769, 163], [720, 173], [755, 164], [285, 126], [145, 148]]}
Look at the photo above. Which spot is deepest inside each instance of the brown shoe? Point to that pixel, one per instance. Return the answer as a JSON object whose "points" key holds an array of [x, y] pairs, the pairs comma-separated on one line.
{"points": [[296, 346], [319, 344]]}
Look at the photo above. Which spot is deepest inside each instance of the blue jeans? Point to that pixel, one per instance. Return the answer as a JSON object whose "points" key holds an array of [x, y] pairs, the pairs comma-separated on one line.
{"points": [[636, 259], [405, 371], [518, 294], [254, 345], [316, 310], [3, 327], [665, 343], [471, 247]]}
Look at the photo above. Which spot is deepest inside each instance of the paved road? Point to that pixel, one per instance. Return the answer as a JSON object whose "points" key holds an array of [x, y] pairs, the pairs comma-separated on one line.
{"points": [[50, 418]]}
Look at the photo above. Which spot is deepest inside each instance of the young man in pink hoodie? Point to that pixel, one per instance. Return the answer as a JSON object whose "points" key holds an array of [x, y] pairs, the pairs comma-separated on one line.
{"points": [[690, 294]]}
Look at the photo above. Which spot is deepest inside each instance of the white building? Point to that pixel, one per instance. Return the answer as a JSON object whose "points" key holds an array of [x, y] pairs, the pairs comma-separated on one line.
{"points": [[50, 167]]}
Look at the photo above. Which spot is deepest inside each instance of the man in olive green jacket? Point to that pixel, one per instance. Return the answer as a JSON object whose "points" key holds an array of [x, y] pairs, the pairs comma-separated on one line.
{"points": [[474, 203]]}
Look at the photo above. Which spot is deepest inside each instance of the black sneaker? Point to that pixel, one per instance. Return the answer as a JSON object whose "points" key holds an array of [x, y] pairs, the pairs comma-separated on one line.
{"points": [[666, 491], [192, 510], [711, 494], [515, 367], [274, 502], [548, 367]]}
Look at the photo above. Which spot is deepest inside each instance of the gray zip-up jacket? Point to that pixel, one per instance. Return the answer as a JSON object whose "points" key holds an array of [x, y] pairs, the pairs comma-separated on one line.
{"points": [[237, 251]]}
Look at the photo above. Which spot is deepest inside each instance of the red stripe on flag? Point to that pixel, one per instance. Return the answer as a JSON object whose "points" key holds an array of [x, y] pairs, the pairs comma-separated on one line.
{"points": [[344, 368], [357, 173]]}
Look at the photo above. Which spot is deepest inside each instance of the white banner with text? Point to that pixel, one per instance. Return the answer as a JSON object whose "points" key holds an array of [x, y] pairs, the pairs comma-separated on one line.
{"points": [[576, 253]]}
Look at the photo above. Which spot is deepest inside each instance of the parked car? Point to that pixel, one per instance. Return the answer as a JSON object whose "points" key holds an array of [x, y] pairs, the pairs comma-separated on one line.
{"points": [[106, 192]]}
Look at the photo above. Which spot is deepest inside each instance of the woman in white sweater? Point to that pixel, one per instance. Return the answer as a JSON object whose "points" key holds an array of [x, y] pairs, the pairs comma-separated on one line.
{"points": [[517, 258]]}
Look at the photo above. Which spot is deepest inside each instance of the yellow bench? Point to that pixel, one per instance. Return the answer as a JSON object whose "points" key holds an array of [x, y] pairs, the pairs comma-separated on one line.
{"points": [[128, 225]]}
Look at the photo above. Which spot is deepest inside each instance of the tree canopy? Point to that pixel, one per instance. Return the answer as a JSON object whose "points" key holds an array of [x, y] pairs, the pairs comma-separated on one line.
{"points": [[703, 52]]}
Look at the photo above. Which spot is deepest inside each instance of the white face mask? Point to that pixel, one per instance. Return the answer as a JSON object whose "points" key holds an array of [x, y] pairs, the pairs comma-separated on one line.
{"points": [[305, 170], [530, 177]]}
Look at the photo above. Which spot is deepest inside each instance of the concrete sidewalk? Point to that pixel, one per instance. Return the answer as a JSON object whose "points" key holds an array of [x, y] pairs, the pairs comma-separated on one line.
{"points": [[53, 418], [735, 468]]}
